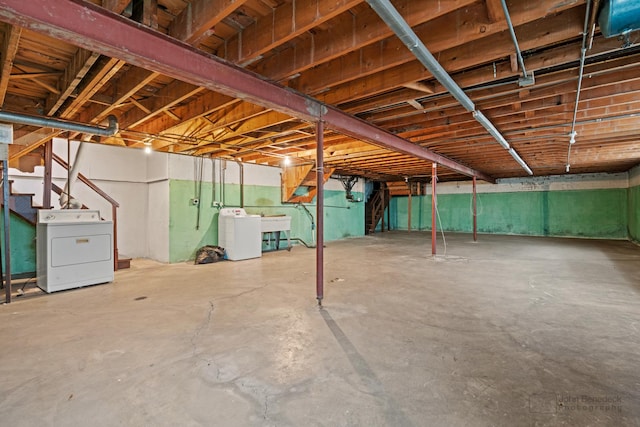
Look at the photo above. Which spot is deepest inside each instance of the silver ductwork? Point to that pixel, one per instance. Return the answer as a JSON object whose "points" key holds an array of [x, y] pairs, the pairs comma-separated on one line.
{"points": [[405, 33], [25, 119]]}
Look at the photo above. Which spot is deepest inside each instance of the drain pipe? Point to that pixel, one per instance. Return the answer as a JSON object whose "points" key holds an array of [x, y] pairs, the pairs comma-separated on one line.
{"points": [[583, 54], [403, 31], [67, 201], [313, 223], [26, 119], [223, 175], [526, 80], [241, 172]]}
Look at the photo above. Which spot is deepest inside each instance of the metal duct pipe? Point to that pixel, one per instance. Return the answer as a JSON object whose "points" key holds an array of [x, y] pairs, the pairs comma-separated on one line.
{"points": [[583, 54], [520, 161], [66, 198], [482, 119], [526, 80], [396, 22], [26, 119]]}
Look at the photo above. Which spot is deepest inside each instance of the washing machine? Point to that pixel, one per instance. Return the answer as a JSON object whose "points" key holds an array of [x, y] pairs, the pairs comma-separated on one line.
{"points": [[74, 249], [239, 234]]}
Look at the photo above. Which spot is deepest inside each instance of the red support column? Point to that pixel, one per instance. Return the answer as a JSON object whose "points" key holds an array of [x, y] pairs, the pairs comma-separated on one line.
{"points": [[7, 232], [320, 211], [409, 213], [475, 213], [48, 157], [434, 177]]}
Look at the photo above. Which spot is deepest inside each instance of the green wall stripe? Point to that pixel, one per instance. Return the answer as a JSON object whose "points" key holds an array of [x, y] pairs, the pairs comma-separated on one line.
{"points": [[579, 213], [23, 245], [634, 213], [342, 218]]}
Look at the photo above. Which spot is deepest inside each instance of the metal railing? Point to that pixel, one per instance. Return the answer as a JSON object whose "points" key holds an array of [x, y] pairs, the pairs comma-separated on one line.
{"points": [[114, 205]]}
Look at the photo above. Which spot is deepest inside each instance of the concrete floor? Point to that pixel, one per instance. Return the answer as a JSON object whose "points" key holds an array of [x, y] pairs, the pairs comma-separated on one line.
{"points": [[510, 331]]}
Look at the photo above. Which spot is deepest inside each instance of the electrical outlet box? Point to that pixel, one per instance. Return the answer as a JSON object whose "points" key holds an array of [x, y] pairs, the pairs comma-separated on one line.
{"points": [[195, 202]]}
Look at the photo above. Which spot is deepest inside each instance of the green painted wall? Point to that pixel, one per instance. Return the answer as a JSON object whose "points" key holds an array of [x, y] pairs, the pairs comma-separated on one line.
{"points": [[634, 213], [23, 246], [579, 213], [342, 218]]}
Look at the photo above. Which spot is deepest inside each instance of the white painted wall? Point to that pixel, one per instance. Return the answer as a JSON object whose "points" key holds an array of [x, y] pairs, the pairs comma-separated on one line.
{"points": [[157, 242], [184, 167], [119, 171]]}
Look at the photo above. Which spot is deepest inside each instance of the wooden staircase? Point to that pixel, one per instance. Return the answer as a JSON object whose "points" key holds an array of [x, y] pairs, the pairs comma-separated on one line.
{"points": [[21, 204], [375, 207], [299, 183]]}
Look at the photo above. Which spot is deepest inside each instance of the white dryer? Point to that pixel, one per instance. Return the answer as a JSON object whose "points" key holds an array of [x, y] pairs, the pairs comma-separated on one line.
{"points": [[74, 249]]}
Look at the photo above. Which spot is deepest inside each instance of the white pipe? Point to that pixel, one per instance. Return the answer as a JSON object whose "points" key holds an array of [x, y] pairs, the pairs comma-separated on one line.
{"points": [[67, 201]]}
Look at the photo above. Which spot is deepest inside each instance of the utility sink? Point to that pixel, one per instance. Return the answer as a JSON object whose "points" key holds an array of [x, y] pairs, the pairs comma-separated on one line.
{"points": [[275, 223]]}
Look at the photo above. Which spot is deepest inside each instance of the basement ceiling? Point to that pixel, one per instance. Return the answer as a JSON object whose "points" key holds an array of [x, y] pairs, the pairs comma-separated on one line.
{"points": [[342, 54]]}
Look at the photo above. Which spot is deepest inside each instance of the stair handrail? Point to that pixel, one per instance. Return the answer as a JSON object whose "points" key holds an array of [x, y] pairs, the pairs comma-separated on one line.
{"points": [[114, 205]]}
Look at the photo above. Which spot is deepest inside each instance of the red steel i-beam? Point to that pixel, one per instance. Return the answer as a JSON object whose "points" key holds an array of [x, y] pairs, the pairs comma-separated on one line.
{"points": [[434, 209], [96, 29], [320, 211], [475, 213]]}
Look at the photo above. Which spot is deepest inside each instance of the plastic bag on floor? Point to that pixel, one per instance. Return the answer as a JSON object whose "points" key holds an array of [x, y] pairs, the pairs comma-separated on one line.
{"points": [[208, 254]]}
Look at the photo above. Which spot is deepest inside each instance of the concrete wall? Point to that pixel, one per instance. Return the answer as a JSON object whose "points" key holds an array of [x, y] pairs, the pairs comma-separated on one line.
{"points": [[157, 218], [119, 171], [593, 205], [634, 204], [190, 229], [23, 246]]}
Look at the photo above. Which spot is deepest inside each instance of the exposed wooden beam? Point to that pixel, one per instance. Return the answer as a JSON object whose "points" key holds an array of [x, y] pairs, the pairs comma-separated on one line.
{"points": [[117, 6], [199, 17], [139, 105], [29, 142], [565, 25], [9, 49], [415, 104], [146, 12], [170, 95], [390, 53], [78, 67], [285, 23], [494, 10], [346, 36], [422, 87], [21, 76], [123, 89], [128, 42], [91, 86]]}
